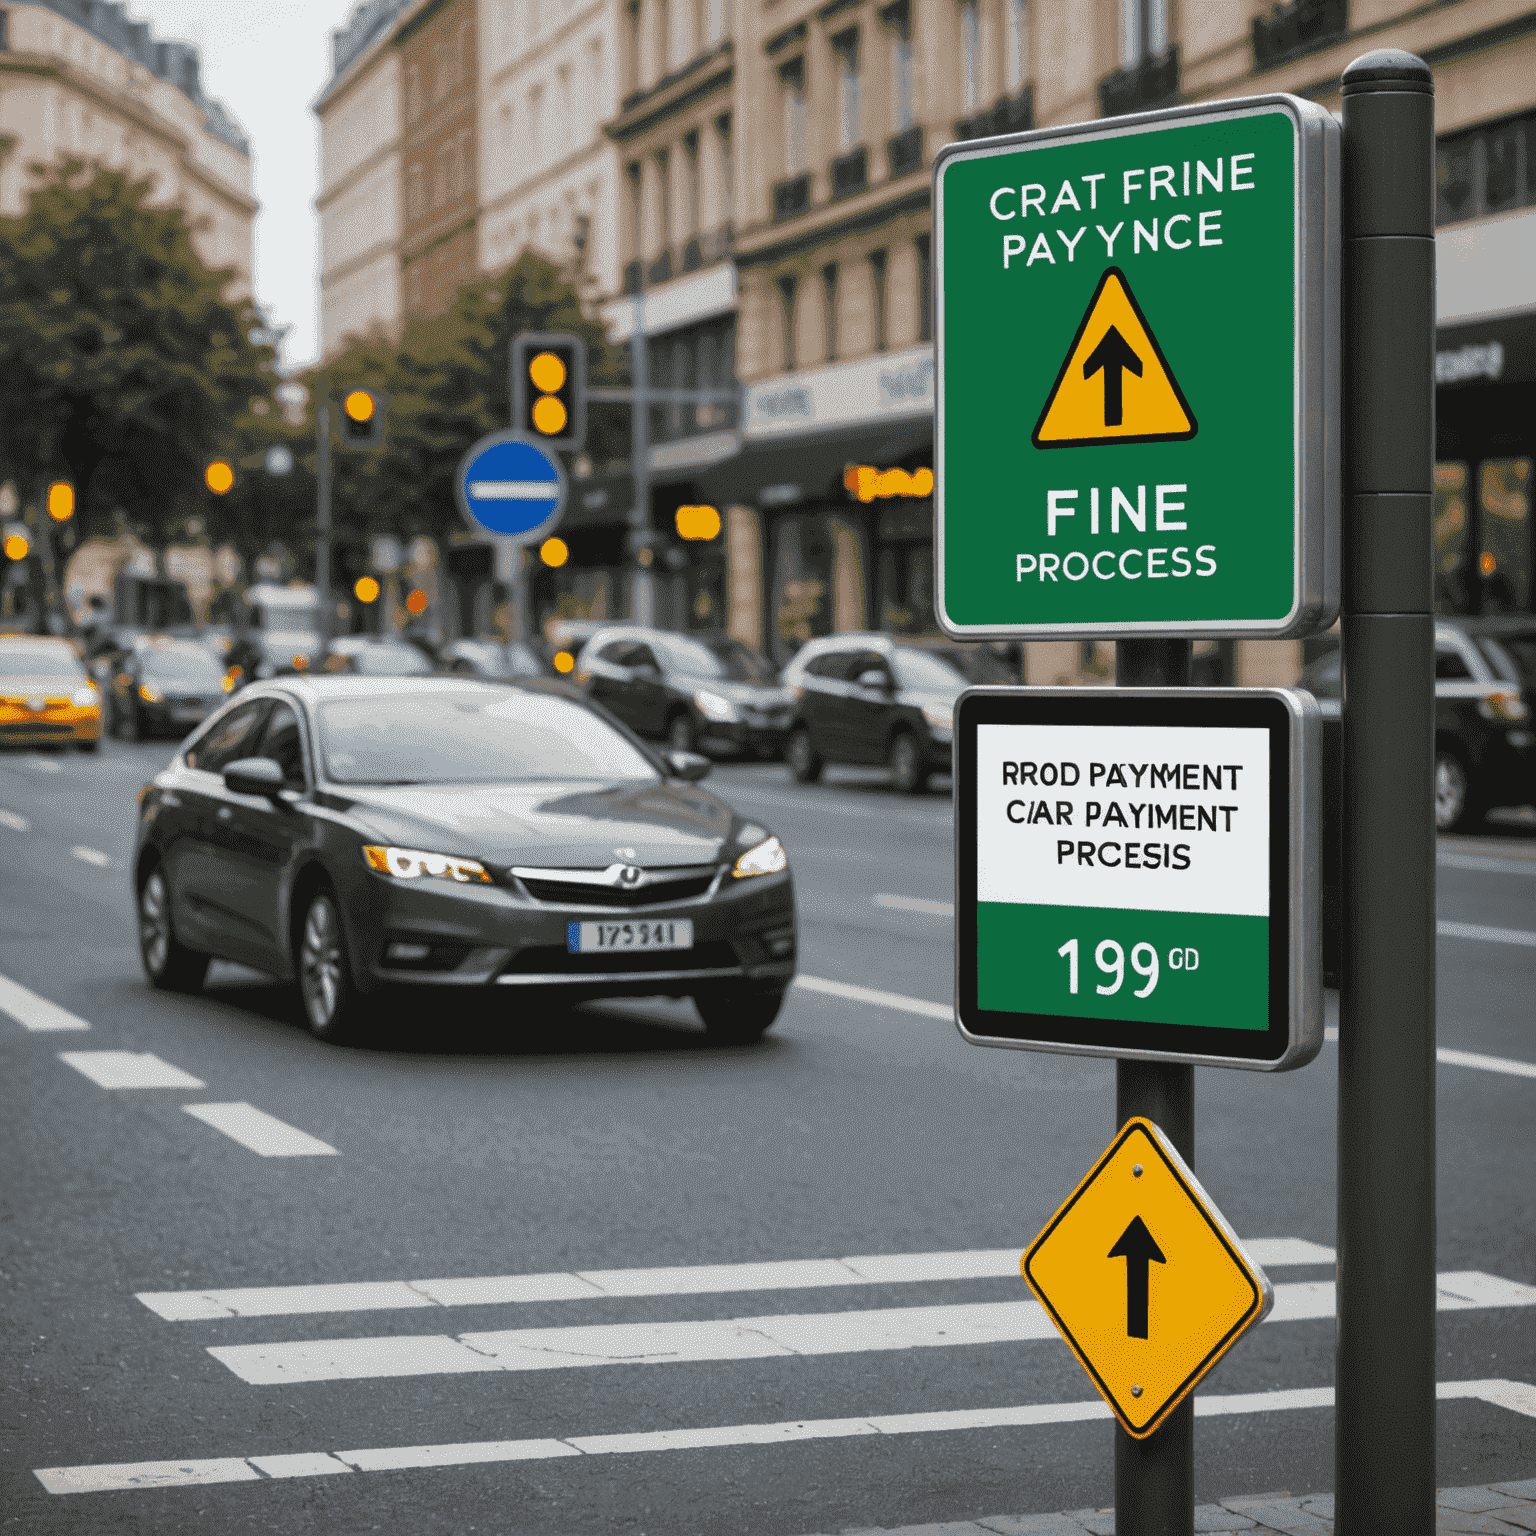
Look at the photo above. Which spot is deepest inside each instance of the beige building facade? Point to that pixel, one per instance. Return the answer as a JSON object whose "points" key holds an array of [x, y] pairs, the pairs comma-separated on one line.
{"points": [[87, 82]]}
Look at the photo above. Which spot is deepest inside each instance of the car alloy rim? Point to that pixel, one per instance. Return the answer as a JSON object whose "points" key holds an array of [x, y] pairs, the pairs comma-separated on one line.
{"points": [[1450, 790], [320, 961], [154, 922]]}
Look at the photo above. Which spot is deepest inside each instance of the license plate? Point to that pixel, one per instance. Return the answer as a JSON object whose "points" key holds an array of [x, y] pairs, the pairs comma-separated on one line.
{"points": [[614, 938], [189, 716]]}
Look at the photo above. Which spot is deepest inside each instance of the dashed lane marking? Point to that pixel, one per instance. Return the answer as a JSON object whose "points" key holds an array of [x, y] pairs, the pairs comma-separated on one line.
{"points": [[915, 904], [34, 1012], [743, 1338], [1514, 1396], [1485, 863], [680, 1280], [850, 993], [1485, 934], [129, 1069], [258, 1131], [42, 764], [92, 856], [14, 822], [1450, 1058]]}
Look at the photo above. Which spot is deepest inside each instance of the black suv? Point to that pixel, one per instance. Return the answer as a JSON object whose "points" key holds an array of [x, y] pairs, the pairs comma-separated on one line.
{"points": [[1485, 685], [870, 699], [698, 693]]}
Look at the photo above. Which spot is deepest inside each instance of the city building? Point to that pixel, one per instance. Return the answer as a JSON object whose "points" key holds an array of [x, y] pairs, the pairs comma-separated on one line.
{"points": [[80, 80]]}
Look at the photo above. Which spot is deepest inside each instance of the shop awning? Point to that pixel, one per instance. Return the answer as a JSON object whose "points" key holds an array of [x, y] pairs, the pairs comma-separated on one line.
{"points": [[809, 466]]}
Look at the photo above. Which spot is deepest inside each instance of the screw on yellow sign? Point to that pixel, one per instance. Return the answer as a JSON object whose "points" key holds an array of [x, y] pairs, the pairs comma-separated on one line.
{"points": [[1144, 1278], [1116, 385]]}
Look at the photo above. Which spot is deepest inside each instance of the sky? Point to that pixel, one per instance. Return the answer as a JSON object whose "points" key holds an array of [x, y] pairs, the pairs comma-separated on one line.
{"points": [[267, 61]]}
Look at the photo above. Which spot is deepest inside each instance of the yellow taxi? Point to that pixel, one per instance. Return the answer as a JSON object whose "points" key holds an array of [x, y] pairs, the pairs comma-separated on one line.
{"points": [[45, 696]]}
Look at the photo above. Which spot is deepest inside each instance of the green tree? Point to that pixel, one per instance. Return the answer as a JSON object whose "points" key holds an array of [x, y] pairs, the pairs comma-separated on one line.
{"points": [[123, 364]]}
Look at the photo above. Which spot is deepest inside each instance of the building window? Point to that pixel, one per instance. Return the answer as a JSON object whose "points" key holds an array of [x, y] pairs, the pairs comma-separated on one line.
{"points": [[829, 301], [1487, 169], [787, 286], [632, 175], [845, 50], [897, 19], [412, 92], [1017, 13], [1143, 31], [632, 53], [717, 15], [878, 260], [664, 198], [796, 145], [727, 167], [691, 182], [970, 55], [924, 288]]}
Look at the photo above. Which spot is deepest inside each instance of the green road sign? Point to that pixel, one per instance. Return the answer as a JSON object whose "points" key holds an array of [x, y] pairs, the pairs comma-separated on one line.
{"points": [[1137, 423], [1137, 873]]}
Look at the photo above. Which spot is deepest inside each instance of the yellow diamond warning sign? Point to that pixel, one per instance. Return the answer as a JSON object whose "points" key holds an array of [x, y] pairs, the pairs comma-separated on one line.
{"points": [[1144, 1278], [1116, 385]]}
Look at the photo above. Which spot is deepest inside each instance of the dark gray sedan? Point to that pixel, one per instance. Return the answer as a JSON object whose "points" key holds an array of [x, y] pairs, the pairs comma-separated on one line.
{"points": [[358, 834]]}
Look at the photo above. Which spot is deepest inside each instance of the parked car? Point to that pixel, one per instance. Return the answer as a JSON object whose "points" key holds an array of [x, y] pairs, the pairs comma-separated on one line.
{"points": [[163, 687], [360, 835], [497, 660], [265, 653], [377, 656], [699, 693], [45, 696], [1485, 686]]}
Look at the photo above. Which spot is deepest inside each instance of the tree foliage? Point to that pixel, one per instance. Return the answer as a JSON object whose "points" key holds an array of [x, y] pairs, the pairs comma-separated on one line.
{"points": [[123, 365]]}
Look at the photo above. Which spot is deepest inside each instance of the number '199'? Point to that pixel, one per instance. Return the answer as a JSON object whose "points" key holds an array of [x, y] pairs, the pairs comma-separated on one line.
{"points": [[1109, 957]]}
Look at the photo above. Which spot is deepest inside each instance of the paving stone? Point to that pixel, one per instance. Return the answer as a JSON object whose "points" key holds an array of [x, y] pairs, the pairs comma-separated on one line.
{"points": [[945, 1528], [1281, 1515], [1101, 1522], [1456, 1522], [1520, 1513], [1473, 1500], [1321, 1507], [1257, 1498], [1525, 1490], [1212, 1517], [1031, 1525]]}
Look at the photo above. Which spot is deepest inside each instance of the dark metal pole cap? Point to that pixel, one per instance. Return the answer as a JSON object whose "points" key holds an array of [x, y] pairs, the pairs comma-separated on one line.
{"points": [[1388, 69]]}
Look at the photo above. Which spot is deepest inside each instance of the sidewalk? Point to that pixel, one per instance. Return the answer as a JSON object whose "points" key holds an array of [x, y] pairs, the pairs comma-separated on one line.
{"points": [[1501, 1509]]}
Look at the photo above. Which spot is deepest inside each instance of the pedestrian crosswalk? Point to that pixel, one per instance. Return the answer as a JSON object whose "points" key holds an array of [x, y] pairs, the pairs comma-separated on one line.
{"points": [[795, 1337]]}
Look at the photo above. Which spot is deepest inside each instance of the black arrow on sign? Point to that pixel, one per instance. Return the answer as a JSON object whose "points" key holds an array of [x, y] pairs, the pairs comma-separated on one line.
{"points": [[1113, 354], [1139, 1249]]}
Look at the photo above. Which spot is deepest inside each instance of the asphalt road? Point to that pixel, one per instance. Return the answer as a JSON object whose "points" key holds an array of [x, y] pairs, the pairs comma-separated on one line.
{"points": [[506, 1141]]}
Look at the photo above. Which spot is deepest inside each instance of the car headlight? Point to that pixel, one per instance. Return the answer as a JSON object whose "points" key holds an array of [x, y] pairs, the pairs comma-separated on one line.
{"points": [[714, 706], [148, 694], [412, 864], [940, 716], [1502, 706], [767, 858], [84, 696]]}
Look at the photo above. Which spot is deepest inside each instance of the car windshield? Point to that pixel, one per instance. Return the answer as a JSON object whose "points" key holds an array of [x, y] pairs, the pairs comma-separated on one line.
{"points": [[39, 661], [727, 659], [1513, 657], [388, 661], [926, 671], [473, 735], [193, 666]]}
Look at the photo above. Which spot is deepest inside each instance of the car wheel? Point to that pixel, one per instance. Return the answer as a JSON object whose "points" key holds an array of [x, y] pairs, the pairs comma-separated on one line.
{"points": [[325, 976], [93, 745], [682, 735], [908, 773], [738, 1016], [168, 963], [1455, 809], [128, 725], [801, 755]]}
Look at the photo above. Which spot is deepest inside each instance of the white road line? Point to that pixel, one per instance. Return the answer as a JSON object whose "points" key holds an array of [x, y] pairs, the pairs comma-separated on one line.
{"points": [[14, 822], [742, 1338], [34, 1012], [92, 856], [1450, 1058], [1486, 863], [1485, 934], [129, 1069], [852, 994], [1515, 1396], [916, 904], [682, 1280], [261, 1132], [44, 764]]}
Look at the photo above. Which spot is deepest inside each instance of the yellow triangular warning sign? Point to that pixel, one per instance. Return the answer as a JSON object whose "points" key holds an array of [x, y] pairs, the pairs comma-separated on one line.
{"points": [[1116, 385]]}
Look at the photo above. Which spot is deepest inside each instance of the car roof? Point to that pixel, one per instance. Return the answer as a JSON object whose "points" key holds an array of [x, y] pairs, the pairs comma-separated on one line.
{"points": [[352, 685]]}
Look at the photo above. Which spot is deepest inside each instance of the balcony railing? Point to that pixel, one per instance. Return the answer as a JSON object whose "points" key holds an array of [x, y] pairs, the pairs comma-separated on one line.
{"points": [[1303, 26], [905, 151], [850, 173], [1008, 114], [660, 269], [1154, 82], [791, 197]]}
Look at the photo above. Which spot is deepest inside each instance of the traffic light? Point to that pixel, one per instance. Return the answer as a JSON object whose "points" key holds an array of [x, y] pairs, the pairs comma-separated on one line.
{"points": [[549, 388], [61, 501], [701, 523], [15, 542], [362, 419], [219, 477]]}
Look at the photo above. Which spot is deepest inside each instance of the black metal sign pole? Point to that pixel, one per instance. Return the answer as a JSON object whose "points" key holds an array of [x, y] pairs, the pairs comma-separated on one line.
{"points": [[1385, 1415], [1155, 1477]]}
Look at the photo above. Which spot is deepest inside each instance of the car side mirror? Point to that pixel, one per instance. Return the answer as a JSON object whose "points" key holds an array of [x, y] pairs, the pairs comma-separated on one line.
{"points": [[875, 678], [689, 766], [254, 776]]}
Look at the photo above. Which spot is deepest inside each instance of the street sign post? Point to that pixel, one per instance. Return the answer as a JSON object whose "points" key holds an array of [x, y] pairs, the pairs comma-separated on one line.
{"points": [[1144, 1278], [511, 488], [1137, 873], [1137, 348]]}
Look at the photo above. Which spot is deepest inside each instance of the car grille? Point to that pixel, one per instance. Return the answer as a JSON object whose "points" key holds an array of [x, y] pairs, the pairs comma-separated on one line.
{"points": [[47, 729], [556, 960], [685, 885]]}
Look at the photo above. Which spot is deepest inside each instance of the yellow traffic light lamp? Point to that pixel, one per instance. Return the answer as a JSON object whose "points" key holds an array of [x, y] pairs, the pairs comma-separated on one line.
{"points": [[549, 386], [61, 501], [416, 603], [16, 546], [219, 477], [554, 552], [362, 419], [701, 523], [366, 590]]}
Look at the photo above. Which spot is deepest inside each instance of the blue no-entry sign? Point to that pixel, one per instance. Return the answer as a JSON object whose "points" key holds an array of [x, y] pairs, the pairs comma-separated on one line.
{"points": [[510, 487]]}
